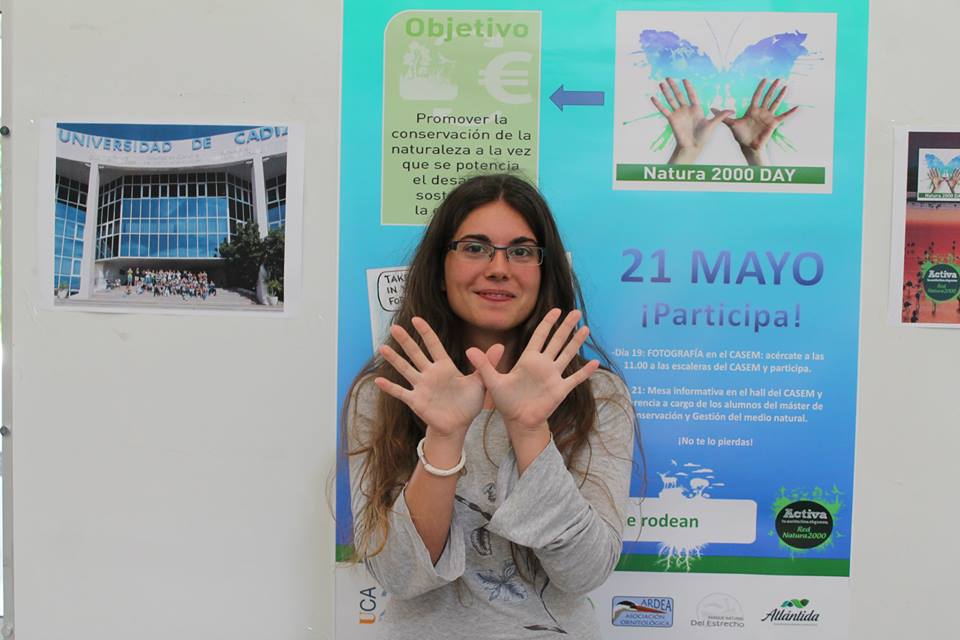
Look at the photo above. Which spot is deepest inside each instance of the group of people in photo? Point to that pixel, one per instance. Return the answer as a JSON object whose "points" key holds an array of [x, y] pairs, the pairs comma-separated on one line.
{"points": [[165, 282]]}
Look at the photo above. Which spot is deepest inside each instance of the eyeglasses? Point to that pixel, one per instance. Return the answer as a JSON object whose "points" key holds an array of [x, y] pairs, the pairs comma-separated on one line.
{"points": [[477, 250]]}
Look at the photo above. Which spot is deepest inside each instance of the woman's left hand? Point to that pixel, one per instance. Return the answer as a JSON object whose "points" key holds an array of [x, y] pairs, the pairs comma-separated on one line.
{"points": [[530, 392]]}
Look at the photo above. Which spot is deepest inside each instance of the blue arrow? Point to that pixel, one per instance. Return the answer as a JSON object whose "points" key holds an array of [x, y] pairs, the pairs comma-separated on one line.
{"points": [[577, 98]]}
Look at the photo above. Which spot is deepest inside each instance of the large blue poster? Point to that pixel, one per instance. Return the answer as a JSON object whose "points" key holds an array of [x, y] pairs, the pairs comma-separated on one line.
{"points": [[706, 170]]}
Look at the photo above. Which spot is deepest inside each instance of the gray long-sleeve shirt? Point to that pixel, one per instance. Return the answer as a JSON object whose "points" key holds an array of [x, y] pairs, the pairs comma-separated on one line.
{"points": [[574, 527]]}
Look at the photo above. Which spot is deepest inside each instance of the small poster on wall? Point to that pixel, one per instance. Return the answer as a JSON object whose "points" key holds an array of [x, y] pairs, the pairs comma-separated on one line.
{"points": [[938, 174], [924, 264], [706, 169], [170, 218], [753, 115], [385, 291]]}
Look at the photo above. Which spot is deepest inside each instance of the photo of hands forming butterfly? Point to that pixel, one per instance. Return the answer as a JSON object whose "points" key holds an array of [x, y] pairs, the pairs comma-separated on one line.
{"points": [[692, 129], [937, 180], [940, 173]]}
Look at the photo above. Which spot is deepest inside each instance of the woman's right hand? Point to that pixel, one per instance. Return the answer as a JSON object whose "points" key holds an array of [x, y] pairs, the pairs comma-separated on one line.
{"points": [[441, 395]]}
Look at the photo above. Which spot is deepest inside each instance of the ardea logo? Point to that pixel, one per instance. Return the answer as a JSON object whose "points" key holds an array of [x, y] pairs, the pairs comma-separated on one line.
{"points": [[642, 611]]}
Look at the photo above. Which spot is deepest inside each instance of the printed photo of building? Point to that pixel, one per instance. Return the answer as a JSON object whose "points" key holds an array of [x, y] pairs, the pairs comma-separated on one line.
{"points": [[170, 215]]}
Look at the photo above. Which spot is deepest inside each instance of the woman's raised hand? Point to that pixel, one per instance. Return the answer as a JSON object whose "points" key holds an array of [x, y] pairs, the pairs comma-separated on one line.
{"points": [[445, 399], [530, 392]]}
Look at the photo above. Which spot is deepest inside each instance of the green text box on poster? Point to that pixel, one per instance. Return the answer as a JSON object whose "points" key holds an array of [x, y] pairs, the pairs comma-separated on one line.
{"points": [[460, 97]]}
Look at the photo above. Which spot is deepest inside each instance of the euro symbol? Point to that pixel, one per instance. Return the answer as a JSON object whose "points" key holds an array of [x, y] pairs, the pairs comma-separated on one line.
{"points": [[495, 77]]}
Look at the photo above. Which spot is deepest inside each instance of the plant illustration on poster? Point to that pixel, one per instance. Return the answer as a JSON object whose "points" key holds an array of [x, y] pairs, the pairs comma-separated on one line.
{"points": [[460, 96], [706, 169]]}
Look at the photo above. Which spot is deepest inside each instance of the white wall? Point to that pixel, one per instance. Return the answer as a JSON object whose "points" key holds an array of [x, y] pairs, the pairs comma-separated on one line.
{"points": [[905, 566], [205, 518]]}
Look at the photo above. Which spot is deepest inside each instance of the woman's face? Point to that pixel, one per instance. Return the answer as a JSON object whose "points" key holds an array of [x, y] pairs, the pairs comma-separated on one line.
{"points": [[492, 297]]}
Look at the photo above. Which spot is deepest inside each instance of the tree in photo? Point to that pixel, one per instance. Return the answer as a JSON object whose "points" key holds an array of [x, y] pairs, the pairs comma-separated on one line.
{"points": [[246, 251]]}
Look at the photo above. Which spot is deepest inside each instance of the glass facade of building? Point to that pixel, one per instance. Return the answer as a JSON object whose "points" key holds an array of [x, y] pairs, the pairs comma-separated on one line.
{"points": [[144, 218], [276, 202], [69, 223], [175, 215]]}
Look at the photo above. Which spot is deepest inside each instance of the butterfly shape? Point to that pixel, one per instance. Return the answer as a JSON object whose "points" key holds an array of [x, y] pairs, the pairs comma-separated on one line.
{"points": [[503, 585], [670, 56], [725, 86], [933, 162]]}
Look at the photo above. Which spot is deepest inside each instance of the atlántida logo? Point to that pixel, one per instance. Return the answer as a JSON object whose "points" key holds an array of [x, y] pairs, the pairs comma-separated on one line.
{"points": [[793, 611]]}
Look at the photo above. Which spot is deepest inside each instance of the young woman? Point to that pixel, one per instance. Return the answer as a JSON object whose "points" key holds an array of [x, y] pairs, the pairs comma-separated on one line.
{"points": [[488, 458]]}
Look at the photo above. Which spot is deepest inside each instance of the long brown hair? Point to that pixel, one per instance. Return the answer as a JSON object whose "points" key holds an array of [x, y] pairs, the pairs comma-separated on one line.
{"points": [[389, 450]]}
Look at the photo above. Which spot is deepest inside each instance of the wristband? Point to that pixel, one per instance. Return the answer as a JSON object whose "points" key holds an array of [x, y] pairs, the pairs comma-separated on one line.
{"points": [[432, 470]]}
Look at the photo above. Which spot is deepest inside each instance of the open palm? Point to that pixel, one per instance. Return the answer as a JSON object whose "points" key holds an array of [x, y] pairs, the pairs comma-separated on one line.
{"points": [[441, 395], [756, 126], [532, 390], [691, 128], [754, 129], [954, 180]]}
